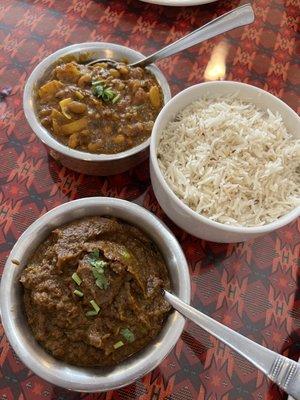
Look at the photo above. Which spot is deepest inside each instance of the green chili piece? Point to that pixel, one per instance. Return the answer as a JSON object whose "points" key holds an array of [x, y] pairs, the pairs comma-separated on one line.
{"points": [[118, 345], [76, 278], [78, 293]]}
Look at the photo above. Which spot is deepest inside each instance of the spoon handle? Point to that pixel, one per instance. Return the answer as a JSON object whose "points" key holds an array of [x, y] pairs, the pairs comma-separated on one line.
{"points": [[240, 16], [281, 370]]}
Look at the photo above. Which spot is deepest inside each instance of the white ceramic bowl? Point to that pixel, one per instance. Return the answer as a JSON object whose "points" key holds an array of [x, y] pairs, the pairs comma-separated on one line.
{"points": [[13, 314], [176, 210]]}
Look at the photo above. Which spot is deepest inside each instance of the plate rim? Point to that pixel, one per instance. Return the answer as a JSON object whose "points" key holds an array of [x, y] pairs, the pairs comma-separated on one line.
{"points": [[179, 3]]}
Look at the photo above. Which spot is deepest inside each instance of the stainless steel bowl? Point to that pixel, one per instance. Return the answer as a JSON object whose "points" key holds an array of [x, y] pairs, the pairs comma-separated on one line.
{"points": [[14, 318], [80, 161]]}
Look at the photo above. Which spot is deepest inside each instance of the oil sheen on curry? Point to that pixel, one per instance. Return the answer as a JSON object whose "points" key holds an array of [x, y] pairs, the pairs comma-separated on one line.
{"points": [[101, 109], [93, 292]]}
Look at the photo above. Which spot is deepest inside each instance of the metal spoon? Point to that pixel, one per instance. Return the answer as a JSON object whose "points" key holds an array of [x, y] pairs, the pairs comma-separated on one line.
{"points": [[240, 16], [279, 369]]}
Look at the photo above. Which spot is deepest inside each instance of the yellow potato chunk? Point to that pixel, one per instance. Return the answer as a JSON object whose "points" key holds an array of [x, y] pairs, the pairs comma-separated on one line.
{"points": [[79, 95], [68, 72], [58, 116], [75, 126], [56, 127], [49, 90], [64, 107]]}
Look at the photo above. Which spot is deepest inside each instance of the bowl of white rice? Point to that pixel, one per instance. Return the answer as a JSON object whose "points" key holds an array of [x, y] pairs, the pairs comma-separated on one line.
{"points": [[225, 161]]}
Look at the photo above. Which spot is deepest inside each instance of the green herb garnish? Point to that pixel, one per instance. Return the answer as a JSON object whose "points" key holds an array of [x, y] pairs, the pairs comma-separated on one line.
{"points": [[98, 267], [103, 92], [126, 254], [118, 345], [128, 335], [95, 311], [91, 313], [98, 82], [95, 254], [115, 99], [95, 306], [101, 282], [76, 279], [78, 293]]}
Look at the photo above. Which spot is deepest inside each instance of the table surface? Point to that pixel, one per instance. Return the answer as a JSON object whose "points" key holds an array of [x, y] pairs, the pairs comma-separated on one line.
{"points": [[252, 287]]}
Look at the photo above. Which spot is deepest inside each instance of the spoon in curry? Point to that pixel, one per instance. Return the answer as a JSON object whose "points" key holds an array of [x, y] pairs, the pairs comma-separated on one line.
{"points": [[279, 369], [235, 18]]}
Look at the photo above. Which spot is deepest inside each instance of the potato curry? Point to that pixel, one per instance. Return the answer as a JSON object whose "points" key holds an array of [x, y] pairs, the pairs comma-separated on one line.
{"points": [[103, 109]]}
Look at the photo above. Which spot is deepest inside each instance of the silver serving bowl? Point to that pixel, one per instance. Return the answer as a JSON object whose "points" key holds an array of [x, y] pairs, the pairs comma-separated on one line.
{"points": [[80, 161], [13, 313]]}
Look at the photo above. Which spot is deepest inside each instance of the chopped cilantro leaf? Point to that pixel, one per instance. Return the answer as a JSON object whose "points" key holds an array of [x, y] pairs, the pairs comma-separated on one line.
{"points": [[98, 264], [95, 254], [128, 335], [105, 93], [102, 282], [98, 270]]}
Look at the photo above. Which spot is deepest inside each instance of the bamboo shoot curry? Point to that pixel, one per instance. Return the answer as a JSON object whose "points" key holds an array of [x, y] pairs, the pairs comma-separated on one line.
{"points": [[102, 109]]}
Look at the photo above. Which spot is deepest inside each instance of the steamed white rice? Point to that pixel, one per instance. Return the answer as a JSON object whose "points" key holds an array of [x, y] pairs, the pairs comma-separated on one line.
{"points": [[231, 161]]}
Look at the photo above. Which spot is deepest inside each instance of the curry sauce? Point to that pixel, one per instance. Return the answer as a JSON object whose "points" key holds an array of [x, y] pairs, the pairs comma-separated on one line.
{"points": [[103, 109], [93, 292]]}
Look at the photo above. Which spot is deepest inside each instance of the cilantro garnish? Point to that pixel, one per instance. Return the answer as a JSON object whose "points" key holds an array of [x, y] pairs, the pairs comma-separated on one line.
{"points": [[98, 270], [128, 335], [103, 92]]}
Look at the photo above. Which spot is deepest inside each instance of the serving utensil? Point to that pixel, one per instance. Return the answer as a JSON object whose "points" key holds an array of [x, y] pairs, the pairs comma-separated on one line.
{"points": [[235, 18], [279, 369]]}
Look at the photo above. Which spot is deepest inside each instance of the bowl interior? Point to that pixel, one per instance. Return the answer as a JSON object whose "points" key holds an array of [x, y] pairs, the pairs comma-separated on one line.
{"points": [[94, 50], [244, 92], [14, 319]]}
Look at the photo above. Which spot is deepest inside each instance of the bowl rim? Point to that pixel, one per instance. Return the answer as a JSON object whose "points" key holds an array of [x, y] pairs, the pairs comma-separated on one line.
{"points": [[285, 219], [91, 383], [45, 136]]}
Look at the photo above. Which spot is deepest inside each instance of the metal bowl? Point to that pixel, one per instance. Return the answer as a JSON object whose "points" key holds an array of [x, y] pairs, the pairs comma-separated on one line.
{"points": [[13, 313], [80, 161]]}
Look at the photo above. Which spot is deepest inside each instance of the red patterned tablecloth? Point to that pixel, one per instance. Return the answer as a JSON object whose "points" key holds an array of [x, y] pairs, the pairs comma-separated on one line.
{"points": [[251, 287]]}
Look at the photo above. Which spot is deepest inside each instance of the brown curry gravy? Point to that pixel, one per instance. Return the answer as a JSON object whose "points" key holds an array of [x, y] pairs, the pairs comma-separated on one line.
{"points": [[103, 109], [127, 291]]}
